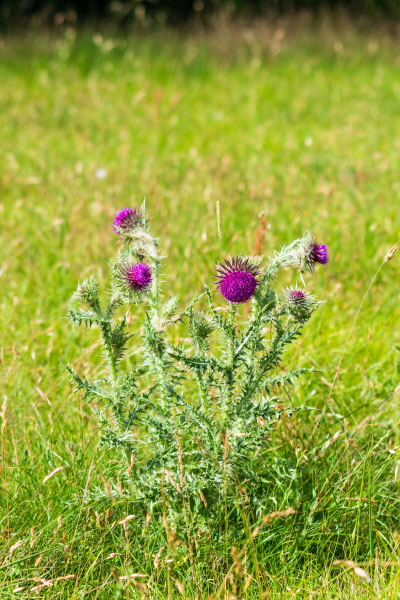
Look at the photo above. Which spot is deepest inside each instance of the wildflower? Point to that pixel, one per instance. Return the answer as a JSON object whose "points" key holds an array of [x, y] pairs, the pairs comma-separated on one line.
{"points": [[237, 279], [304, 254], [131, 277], [136, 276], [318, 253], [126, 220], [300, 303], [297, 296]]}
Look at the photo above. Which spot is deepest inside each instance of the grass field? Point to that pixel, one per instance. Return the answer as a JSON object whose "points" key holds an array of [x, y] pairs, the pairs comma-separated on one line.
{"points": [[298, 126]]}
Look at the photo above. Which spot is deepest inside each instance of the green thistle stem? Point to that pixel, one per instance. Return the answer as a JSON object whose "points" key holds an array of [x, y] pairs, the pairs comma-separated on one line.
{"points": [[202, 390], [105, 327], [232, 316], [231, 360], [105, 333]]}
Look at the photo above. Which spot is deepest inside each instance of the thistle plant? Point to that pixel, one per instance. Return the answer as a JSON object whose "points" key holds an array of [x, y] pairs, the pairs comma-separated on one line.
{"points": [[192, 421]]}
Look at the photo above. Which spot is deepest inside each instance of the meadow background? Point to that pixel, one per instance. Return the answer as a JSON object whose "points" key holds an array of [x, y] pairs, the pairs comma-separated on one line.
{"points": [[288, 126]]}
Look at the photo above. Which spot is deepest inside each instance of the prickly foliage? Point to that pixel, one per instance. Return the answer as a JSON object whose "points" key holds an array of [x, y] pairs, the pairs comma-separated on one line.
{"points": [[192, 421]]}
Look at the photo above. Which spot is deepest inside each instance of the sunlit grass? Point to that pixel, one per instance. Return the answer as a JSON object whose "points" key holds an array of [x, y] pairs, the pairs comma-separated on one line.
{"points": [[301, 129]]}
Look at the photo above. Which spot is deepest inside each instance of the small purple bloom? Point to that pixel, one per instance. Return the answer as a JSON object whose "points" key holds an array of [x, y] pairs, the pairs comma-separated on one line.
{"points": [[126, 219], [297, 296], [299, 303], [137, 276], [237, 279], [318, 253]]}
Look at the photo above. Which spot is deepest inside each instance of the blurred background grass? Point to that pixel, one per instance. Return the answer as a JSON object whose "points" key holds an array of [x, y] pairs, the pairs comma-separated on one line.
{"points": [[280, 122]]}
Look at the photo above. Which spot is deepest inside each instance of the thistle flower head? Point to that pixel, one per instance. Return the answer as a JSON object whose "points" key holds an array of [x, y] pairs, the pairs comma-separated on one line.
{"points": [[304, 254], [297, 296], [137, 276], [318, 253], [126, 220], [237, 279], [300, 303], [130, 224], [313, 253], [131, 277]]}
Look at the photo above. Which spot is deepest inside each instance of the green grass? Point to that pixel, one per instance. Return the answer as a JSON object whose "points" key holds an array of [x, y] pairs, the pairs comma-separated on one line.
{"points": [[302, 128]]}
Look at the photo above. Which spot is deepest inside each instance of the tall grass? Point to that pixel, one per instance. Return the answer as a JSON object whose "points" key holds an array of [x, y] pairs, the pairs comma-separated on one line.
{"points": [[282, 132]]}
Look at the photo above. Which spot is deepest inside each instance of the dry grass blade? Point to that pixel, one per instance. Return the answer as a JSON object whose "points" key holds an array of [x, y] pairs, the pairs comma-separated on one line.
{"points": [[390, 253], [108, 488], [12, 550], [278, 514], [127, 519], [260, 234], [132, 576], [50, 475], [180, 586], [218, 209], [203, 498], [157, 556], [3, 416], [44, 583], [15, 546], [64, 578], [173, 482], [237, 561], [358, 571], [131, 464], [88, 480], [43, 395], [331, 441]]}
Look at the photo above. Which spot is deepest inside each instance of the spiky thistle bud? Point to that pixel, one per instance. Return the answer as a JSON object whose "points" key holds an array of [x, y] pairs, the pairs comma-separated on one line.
{"points": [[88, 293], [200, 329], [237, 279], [300, 304]]}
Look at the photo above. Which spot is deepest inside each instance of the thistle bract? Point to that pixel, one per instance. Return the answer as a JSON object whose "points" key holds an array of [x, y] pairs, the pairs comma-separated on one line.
{"points": [[237, 279]]}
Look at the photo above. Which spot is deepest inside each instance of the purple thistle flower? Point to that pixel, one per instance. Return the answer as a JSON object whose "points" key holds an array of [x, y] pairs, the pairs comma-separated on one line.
{"points": [[237, 279], [297, 296], [320, 253], [126, 219], [137, 276], [317, 253]]}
